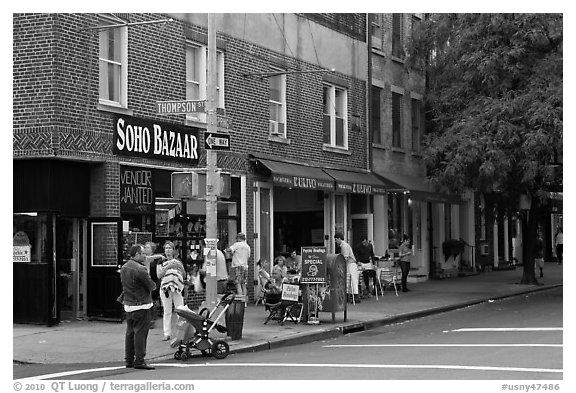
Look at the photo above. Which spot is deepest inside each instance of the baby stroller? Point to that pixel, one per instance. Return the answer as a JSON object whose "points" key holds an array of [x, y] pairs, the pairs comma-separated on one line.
{"points": [[203, 323]]}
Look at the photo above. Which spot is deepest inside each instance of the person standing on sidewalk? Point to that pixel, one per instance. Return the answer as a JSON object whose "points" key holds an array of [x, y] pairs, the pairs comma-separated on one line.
{"points": [[137, 300], [405, 258], [172, 276], [221, 272], [240, 253], [559, 241], [539, 254], [351, 266]]}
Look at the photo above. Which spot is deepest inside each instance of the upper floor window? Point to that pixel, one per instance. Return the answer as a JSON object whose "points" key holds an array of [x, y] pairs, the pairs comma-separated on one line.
{"points": [[113, 64], [376, 30], [277, 122], [396, 120], [335, 116], [417, 124], [397, 49], [376, 115], [197, 77]]}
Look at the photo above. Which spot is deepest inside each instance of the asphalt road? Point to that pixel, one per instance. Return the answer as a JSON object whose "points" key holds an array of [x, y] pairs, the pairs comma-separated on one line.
{"points": [[520, 338]]}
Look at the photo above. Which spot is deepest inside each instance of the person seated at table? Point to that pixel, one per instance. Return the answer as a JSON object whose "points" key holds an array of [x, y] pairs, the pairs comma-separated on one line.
{"points": [[273, 288], [294, 263], [280, 261], [365, 256]]}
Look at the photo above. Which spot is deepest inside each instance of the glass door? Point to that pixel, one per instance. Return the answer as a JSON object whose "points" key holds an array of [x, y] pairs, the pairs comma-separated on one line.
{"points": [[263, 225]]}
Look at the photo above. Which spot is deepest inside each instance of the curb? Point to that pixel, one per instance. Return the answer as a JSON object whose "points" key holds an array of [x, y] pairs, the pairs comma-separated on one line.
{"points": [[367, 325]]}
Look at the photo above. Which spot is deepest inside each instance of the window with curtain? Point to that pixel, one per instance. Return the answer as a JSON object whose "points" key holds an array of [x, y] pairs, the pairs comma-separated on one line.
{"points": [[335, 124], [112, 61], [277, 85], [197, 77]]}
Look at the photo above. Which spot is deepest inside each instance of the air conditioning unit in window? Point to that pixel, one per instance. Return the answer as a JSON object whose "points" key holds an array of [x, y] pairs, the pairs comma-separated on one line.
{"points": [[274, 128], [484, 249]]}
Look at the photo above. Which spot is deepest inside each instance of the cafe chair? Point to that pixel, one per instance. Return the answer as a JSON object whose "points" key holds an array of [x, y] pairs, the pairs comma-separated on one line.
{"points": [[387, 278], [263, 278]]}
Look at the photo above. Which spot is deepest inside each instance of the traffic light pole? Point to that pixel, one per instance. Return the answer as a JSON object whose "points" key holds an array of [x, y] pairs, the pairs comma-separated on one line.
{"points": [[212, 178]]}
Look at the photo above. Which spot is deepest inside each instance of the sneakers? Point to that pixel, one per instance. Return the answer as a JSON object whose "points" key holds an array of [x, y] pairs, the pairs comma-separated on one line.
{"points": [[166, 338]]}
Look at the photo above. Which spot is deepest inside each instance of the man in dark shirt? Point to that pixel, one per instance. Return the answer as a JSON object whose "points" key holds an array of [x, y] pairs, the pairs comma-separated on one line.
{"points": [[137, 300], [365, 255]]}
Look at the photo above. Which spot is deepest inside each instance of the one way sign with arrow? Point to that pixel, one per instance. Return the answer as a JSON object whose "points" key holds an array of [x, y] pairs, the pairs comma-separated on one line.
{"points": [[216, 141]]}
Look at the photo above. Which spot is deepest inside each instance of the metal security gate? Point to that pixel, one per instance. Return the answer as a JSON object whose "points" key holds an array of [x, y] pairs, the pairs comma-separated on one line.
{"points": [[102, 275]]}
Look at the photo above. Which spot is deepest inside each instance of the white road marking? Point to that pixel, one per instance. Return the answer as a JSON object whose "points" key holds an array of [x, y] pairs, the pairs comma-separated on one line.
{"points": [[526, 329], [381, 366], [73, 372], [329, 365], [441, 345]]}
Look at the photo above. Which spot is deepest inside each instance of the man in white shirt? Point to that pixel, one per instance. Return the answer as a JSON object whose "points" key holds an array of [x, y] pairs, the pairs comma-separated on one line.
{"points": [[240, 254], [221, 272], [351, 266]]}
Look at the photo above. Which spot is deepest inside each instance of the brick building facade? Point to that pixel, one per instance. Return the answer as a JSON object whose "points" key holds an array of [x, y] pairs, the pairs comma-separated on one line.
{"points": [[79, 77]]}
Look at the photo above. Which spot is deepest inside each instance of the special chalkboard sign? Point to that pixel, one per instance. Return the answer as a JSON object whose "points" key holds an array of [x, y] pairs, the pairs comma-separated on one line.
{"points": [[313, 265], [136, 190]]}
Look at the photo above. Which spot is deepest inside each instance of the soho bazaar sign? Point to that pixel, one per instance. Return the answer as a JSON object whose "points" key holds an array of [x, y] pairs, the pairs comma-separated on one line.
{"points": [[154, 139]]}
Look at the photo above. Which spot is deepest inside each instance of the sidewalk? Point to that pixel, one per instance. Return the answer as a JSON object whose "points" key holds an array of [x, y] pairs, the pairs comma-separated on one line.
{"points": [[94, 341]]}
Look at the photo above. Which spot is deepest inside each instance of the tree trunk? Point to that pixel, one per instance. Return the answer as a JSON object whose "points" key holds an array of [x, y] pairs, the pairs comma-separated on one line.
{"points": [[529, 233]]}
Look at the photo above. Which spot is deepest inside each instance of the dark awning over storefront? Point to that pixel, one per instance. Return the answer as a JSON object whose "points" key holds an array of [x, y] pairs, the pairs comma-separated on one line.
{"points": [[356, 182], [298, 176], [419, 189]]}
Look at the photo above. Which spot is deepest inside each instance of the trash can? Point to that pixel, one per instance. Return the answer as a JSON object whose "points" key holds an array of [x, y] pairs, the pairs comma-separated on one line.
{"points": [[235, 318]]}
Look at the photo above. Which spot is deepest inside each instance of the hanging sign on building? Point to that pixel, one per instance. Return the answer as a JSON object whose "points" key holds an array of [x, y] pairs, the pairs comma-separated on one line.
{"points": [[153, 139], [302, 182], [359, 188], [136, 190], [313, 265]]}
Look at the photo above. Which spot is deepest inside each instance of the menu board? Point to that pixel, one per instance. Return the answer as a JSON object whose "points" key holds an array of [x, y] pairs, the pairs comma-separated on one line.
{"points": [[313, 265]]}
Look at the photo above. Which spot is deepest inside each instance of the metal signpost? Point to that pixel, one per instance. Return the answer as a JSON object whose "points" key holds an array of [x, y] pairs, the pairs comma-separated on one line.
{"points": [[214, 141], [211, 157]]}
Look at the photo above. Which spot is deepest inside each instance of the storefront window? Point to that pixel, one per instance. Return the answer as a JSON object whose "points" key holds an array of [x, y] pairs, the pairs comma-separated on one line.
{"points": [[394, 220], [185, 223], [30, 237]]}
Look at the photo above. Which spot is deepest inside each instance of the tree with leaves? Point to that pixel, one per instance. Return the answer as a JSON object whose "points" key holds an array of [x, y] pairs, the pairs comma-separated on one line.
{"points": [[494, 109]]}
